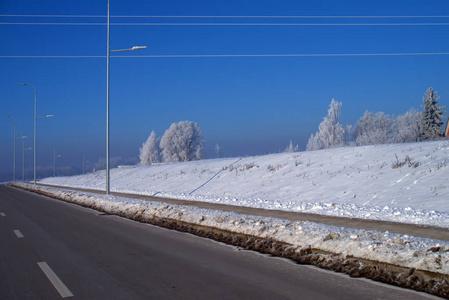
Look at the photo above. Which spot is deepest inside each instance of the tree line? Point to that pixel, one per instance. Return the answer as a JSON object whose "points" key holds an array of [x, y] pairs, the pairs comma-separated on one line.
{"points": [[183, 141], [379, 128]]}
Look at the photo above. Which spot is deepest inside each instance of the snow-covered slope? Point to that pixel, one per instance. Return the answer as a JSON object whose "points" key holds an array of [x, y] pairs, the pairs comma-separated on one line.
{"points": [[352, 181]]}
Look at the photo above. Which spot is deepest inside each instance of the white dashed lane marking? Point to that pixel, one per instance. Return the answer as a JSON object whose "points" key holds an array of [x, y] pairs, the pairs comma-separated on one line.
{"points": [[18, 234], [2, 214], [54, 279]]}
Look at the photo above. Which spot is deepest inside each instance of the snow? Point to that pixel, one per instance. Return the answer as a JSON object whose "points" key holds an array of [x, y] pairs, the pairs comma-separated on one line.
{"points": [[402, 250], [349, 181]]}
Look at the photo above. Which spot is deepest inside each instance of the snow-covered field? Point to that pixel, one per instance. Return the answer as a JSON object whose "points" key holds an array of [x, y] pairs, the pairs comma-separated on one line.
{"points": [[350, 181]]}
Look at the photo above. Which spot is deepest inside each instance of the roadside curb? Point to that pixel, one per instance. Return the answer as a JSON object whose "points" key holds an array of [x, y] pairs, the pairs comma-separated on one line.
{"points": [[419, 230]]}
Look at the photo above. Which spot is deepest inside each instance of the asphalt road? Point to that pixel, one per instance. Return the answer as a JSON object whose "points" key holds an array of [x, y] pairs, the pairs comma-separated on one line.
{"points": [[50, 249]]}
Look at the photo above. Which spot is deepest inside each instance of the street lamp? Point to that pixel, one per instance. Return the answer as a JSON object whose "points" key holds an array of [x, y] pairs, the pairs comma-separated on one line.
{"points": [[83, 163], [23, 161], [23, 137], [108, 53], [34, 127], [46, 117], [55, 156], [133, 48], [35, 117], [13, 125]]}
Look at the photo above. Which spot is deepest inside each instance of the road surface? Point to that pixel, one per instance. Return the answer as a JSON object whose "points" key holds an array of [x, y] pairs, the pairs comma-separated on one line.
{"points": [[50, 249]]}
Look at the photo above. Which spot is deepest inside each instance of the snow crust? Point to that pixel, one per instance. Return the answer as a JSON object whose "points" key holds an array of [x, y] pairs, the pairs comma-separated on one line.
{"points": [[350, 181], [402, 250]]}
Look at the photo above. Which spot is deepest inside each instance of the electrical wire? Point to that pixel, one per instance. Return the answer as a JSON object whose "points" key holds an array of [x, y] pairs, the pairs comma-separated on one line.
{"points": [[231, 16], [408, 24], [378, 54]]}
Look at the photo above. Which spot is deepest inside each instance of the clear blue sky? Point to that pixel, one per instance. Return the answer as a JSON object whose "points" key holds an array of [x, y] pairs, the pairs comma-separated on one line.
{"points": [[247, 105]]}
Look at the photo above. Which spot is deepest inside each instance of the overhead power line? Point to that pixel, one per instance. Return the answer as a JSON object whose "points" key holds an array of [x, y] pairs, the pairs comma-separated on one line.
{"points": [[231, 16], [379, 54], [226, 24]]}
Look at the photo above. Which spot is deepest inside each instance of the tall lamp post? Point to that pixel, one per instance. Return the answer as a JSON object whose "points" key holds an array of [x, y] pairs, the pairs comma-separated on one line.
{"points": [[83, 163], [55, 156], [48, 116], [108, 53], [34, 127], [23, 138], [23, 161], [13, 124]]}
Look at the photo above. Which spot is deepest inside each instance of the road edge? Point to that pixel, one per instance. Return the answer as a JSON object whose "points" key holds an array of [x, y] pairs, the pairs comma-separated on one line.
{"points": [[419, 280]]}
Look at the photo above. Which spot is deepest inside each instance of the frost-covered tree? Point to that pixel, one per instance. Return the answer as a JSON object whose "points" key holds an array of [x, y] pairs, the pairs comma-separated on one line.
{"points": [[432, 116], [313, 143], [408, 126], [375, 128], [330, 132], [291, 148], [217, 150], [149, 151], [182, 141], [349, 134]]}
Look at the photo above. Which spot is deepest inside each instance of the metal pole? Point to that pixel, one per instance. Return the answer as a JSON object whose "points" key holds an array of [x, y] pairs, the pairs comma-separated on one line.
{"points": [[54, 163], [23, 159], [34, 135], [14, 153], [83, 164], [107, 102]]}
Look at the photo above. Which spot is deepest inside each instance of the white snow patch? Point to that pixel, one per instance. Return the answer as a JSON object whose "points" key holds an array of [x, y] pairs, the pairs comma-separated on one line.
{"points": [[350, 181]]}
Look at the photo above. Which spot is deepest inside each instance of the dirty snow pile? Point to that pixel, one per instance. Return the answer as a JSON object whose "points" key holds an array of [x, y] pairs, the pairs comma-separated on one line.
{"points": [[402, 250], [396, 182]]}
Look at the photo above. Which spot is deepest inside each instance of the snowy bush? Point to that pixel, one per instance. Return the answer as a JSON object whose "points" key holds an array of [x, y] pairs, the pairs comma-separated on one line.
{"points": [[182, 141], [432, 115], [248, 166], [330, 132], [149, 151], [375, 128], [442, 164], [274, 168], [408, 126], [406, 161]]}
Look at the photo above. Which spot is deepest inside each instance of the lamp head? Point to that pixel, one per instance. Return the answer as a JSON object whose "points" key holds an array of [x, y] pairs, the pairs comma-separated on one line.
{"points": [[134, 48]]}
